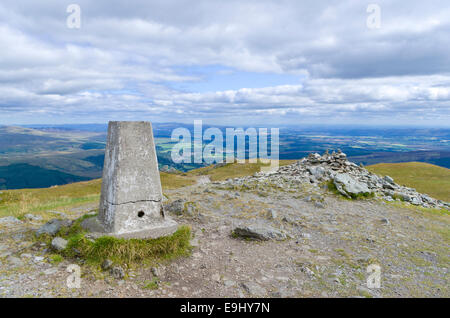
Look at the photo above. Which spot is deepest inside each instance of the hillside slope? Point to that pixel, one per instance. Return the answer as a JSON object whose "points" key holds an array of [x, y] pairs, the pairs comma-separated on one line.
{"points": [[424, 177], [22, 175]]}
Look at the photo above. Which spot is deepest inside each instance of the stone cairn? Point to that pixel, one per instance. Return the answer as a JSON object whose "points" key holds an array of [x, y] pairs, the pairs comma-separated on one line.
{"points": [[348, 178]]}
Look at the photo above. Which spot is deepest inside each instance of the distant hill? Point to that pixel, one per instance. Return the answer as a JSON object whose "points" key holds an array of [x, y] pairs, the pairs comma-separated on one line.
{"points": [[424, 177], [78, 150], [22, 175]]}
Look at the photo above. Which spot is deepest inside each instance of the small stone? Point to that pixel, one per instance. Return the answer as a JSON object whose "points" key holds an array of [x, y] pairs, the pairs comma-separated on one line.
{"points": [[272, 214], [282, 293], [308, 272], [194, 242], [59, 243], [158, 271], [32, 217], [385, 221], [176, 207], [291, 220], [52, 227], [117, 272], [107, 264], [305, 235], [38, 259], [216, 278], [388, 179], [229, 283], [319, 205], [254, 289], [15, 261], [50, 271], [10, 220], [259, 232]]}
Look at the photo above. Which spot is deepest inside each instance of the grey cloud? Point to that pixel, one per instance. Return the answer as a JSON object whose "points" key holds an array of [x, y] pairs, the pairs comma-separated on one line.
{"points": [[126, 54]]}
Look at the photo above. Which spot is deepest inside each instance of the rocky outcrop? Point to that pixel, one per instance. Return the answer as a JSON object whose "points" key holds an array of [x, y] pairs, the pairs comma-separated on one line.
{"points": [[349, 179], [52, 227]]}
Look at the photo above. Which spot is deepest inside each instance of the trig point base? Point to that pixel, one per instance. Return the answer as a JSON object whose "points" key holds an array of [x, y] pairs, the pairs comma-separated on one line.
{"points": [[131, 196]]}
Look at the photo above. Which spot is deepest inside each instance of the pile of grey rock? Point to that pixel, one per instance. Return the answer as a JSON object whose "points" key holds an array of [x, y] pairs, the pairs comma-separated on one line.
{"points": [[348, 178]]}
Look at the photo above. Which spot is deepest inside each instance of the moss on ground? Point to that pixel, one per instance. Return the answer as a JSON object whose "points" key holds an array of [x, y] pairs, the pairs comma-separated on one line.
{"points": [[153, 284]]}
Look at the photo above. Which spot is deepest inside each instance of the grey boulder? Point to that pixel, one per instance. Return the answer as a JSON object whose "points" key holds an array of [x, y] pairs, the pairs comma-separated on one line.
{"points": [[259, 232], [10, 220], [176, 207], [117, 272], [254, 289], [59, 243], [348, 186], [52, 227]]}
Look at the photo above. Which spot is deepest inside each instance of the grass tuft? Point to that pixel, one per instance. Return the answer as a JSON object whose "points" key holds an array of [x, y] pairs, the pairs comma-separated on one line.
{"points": [[125, 251], [55, 259], [153, 284]]}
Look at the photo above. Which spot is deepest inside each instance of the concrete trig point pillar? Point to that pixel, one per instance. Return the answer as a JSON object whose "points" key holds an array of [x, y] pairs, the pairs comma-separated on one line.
{"points": [[131, 196]]}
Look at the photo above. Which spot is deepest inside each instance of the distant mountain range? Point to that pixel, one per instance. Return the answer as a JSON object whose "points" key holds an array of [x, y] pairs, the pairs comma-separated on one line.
{"points": [[44, 155]]}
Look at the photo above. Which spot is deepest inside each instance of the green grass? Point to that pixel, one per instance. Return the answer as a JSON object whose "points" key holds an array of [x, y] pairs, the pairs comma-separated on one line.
{"points": [[125, 251], [55, 259], [424, 177], [152, 285], [120, 251], [174, 181], [62, 198], [38, 201]]}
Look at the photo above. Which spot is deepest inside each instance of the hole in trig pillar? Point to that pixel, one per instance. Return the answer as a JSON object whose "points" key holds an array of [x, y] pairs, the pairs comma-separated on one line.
{"points": [[141, 214]]}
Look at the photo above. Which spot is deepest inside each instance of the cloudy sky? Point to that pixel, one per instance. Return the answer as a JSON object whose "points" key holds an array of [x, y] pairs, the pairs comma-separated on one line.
{"points": [[226, 62]]}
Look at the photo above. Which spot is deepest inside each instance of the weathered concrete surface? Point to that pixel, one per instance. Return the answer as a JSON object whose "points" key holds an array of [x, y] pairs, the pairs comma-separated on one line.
{"points": [[131, 196]]}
